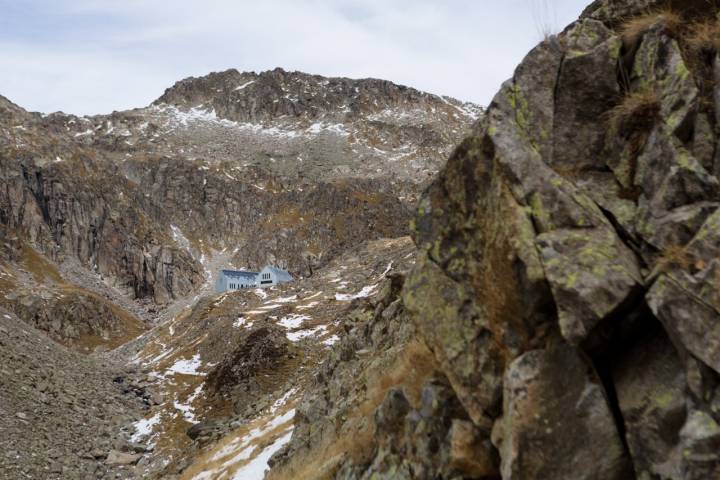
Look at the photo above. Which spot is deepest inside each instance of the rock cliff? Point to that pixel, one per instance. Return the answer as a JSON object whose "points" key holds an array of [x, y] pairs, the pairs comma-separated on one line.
{"points": [[566, 277]]}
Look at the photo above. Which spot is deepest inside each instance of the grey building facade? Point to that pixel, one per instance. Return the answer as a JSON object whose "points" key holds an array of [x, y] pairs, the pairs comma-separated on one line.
{"points": [[230, 280]]}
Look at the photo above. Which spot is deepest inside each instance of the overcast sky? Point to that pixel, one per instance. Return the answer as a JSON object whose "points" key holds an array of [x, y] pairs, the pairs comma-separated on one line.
{"points": [[95, 56]]}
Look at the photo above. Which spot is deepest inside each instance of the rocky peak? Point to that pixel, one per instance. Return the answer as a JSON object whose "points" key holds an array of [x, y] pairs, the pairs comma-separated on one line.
{"points": [[273, 94]]}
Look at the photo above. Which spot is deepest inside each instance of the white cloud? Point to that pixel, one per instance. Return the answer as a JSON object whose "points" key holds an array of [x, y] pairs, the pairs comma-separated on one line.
{"points": [[104, 55]]}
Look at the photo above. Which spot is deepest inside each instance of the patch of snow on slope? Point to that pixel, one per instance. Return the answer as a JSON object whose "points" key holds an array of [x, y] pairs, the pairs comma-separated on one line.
{"points": [[387, 269], [242, 449], [467, 109], [187, 410], [308, 306], [260, 293], [180, 239], [297, 336], [269, 307], [255, 470], [242, 322], [206, 266], [144, 427], [244, 85], [187, 367], [283, 400], [283, 299], [319, 127], [365, 292], [293, 321]]}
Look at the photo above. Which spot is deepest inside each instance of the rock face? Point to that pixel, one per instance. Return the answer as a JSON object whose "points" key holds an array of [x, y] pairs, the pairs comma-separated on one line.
{"points": [[566, 284]]}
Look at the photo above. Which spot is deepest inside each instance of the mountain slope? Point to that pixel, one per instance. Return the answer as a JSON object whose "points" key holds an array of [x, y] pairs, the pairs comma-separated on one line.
{"points": [[311, 174]]}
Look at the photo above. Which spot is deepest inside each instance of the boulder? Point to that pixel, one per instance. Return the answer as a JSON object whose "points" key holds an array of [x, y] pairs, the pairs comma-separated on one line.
{"points": [[115, 458], [557, 422]]}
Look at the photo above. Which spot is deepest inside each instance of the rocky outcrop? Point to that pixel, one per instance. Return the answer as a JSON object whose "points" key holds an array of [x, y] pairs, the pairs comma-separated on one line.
{"points": [[566, 282], [239, 376], [74, 317], [81, 208]]}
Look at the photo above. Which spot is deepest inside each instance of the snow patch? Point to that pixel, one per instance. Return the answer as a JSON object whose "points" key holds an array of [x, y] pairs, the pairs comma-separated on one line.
{"points": [[365, 292], [313, 332], [187, 410], [187, 367], [308, 306], [179, 238], [293, 321], [283, 400], [242, 322], [144, 427], [244, 85], [255, 470], [284, 299]]}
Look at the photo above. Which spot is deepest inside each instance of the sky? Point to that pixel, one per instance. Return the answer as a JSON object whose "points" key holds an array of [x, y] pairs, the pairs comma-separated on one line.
{"points": [[95, 56]]}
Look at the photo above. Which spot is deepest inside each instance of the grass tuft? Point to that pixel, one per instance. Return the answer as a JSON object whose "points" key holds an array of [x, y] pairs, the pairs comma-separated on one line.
{"points": [[638, 111], [704, 37], [633, 29], [674, 256]]}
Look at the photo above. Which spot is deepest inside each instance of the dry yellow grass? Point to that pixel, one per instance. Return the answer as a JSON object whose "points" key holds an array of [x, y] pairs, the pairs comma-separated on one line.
{"points": [[674, 256], [39, 266], [634, 28], [637, 111], [704, 37], [412, 367]]}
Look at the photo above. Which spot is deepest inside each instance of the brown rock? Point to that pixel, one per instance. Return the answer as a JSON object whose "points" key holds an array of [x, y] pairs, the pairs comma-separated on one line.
{"points": [[115, 457]]}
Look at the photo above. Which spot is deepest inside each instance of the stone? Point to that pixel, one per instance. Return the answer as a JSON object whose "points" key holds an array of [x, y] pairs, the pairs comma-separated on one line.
{"points": [[650, 384], [591, 273], [471, 453], [586, 89], [393, 409], [700, 437], [552, 399], [115, 458]]}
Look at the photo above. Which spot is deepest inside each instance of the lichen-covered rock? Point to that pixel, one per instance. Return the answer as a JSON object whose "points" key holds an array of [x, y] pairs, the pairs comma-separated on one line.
{"points": [[686, 297], [434, 441], [586, 86], [551, 400], [700, 437], [650, 384], [591, 274]]}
